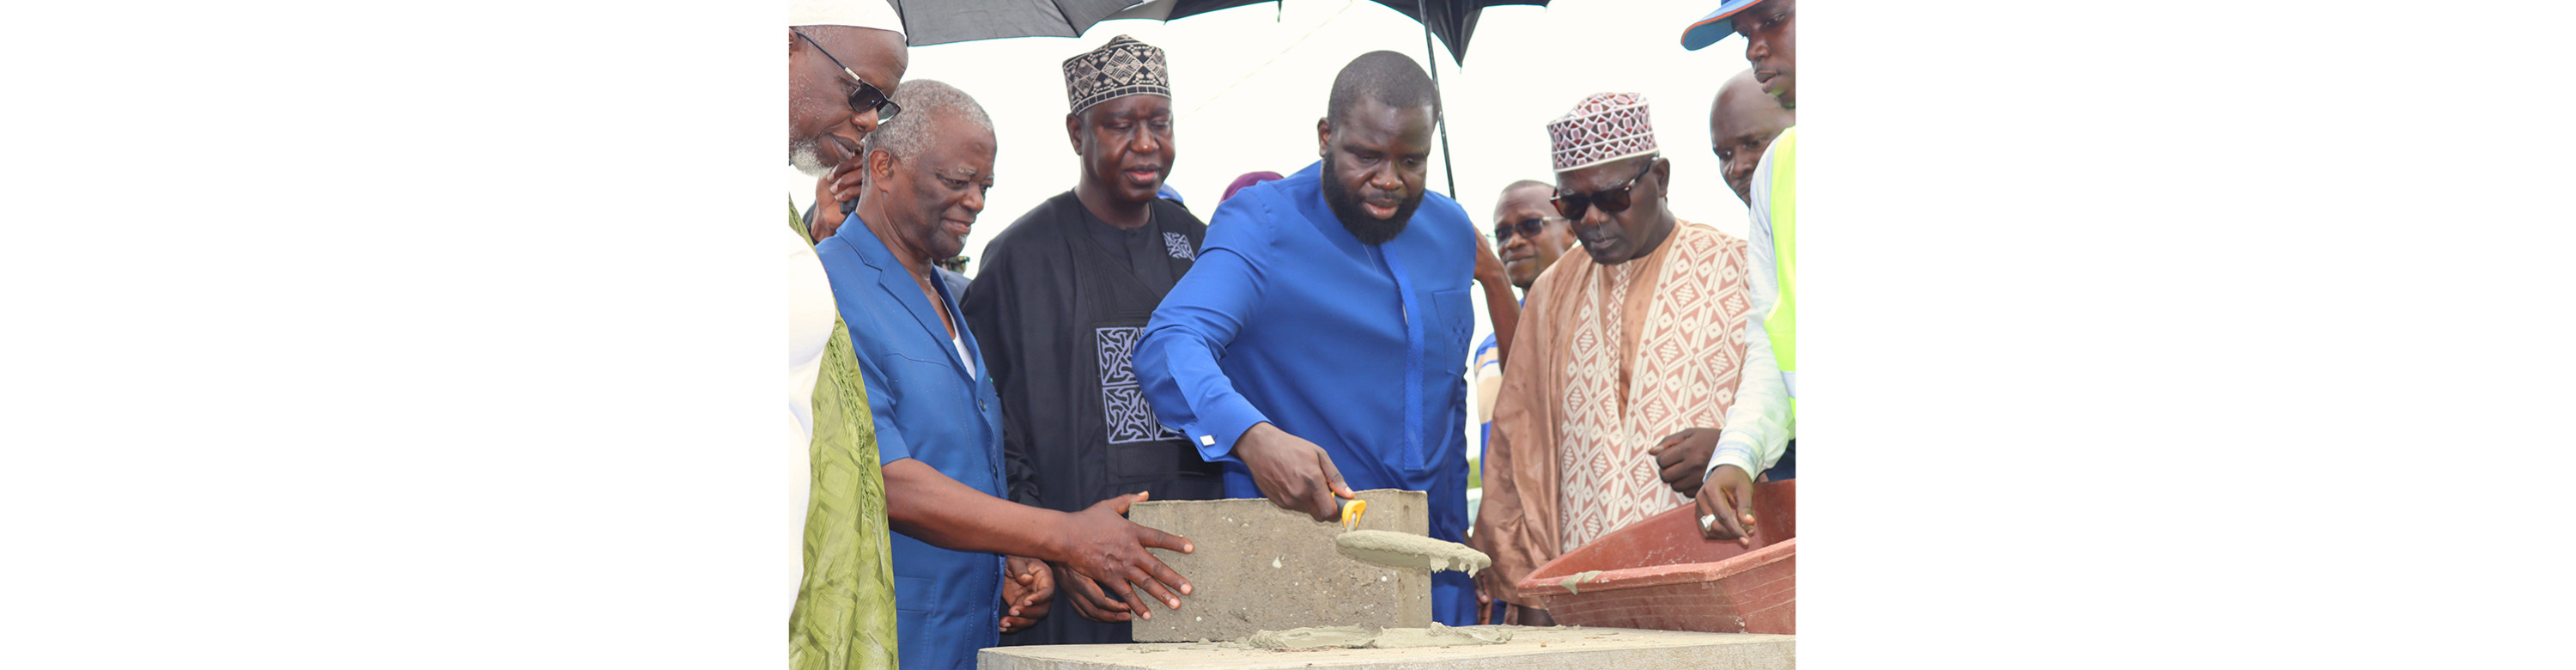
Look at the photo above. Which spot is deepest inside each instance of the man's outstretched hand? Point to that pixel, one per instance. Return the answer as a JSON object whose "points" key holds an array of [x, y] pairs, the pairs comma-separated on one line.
{"points": [[1028, 590], [1295, 474], [1726, 506], [1101, 544], [1088, 600]]}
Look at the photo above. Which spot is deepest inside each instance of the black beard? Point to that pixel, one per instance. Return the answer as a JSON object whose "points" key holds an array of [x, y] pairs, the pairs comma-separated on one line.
{"points": [[1346, 207]]}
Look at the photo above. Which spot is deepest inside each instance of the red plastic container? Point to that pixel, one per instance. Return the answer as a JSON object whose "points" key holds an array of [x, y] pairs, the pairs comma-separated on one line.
{"points": [[1659, 574]]}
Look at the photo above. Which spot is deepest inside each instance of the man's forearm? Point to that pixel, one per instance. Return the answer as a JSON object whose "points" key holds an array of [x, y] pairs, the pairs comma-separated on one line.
{"points": [[1190, 392], [1505, 311], [929, 506], [1176, 357], [1756, 429]]}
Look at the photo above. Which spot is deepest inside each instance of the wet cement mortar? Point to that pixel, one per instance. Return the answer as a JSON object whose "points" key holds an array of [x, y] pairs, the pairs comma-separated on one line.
{"points": [[1405, 550], [1351, 637]]}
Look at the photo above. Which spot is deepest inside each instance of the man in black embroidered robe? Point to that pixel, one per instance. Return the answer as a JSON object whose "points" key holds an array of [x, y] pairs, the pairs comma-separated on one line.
{"points": [[1058, 305]]}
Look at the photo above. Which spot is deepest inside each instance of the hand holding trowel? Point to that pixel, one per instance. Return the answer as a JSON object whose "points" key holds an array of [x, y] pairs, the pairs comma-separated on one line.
{"points": [[1298, 476], [1295, 474]]}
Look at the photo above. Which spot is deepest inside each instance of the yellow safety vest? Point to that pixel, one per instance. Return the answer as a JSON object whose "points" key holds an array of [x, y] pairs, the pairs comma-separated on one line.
{"points": [[1782, 323]]}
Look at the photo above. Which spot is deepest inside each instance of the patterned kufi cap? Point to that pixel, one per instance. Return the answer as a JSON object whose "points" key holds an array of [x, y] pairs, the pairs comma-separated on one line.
{"points": [[1604, 127], [1122, 67]]}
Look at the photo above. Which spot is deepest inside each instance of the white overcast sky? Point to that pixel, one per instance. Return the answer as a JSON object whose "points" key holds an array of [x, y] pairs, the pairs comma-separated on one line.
{"points": [[1248, 84]]}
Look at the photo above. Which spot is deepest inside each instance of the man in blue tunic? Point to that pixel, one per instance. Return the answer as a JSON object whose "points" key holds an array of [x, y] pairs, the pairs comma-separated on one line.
{"points": [[967, 562], [1318, 344]]}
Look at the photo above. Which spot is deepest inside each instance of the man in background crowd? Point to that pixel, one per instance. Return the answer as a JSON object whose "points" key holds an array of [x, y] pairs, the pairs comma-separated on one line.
{"points": [[1761, 430], [1742, 122], [1246, 180], [1530, 237]]}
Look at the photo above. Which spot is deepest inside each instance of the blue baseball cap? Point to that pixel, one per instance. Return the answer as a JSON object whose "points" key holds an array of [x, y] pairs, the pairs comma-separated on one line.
{"points": [[1716, 26]]}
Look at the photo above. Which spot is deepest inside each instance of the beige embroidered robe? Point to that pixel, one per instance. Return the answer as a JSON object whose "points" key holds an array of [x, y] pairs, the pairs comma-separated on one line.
{"points": [[1607, 361]]}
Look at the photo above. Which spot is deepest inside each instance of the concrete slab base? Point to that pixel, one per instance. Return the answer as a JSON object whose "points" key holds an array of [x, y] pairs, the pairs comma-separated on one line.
{"points": [[1259, 567], [1549, 648]]}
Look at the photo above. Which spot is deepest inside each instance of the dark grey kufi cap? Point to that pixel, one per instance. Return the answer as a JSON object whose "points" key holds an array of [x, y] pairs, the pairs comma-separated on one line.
{"points": [[1122, 67]]}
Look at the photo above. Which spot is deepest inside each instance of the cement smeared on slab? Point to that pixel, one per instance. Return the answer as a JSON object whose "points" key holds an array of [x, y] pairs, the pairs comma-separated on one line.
{"points": [[1319, 637], [1438, 636], [1359, 637], [1578, 578], [1406, 550]]}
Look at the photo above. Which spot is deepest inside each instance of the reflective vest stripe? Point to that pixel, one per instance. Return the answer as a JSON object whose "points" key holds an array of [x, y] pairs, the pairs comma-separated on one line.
{"points": [[1782, 323]]}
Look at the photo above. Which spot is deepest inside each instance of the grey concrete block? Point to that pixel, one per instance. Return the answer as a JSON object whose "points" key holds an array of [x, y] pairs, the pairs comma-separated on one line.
{"points": [[1566, 648], [1257, 567]]}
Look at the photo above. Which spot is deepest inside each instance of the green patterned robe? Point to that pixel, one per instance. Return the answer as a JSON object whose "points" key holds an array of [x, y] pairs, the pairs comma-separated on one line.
{"points": [[844, 616]]}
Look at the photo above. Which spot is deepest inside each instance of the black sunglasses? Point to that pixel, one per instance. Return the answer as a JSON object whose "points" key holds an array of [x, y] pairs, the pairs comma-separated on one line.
{"points": [[1610, 200], [1528, 227], [867, 96]]}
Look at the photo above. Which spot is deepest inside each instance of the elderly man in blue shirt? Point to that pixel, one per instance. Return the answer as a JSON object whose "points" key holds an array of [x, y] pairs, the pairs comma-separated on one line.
{"points": [[967, 561], [1318, 345]]}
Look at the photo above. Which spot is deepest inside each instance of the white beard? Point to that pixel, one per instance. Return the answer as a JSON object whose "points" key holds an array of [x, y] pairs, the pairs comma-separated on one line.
{"points": [[805, 155]]}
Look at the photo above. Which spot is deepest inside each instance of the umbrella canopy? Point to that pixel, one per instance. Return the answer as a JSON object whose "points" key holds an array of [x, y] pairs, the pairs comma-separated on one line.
{"points": [[928, 22], [1454, 21]]}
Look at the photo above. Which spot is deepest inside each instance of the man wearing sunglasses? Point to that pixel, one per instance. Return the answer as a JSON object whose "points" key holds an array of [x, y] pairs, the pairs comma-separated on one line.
{"points": [[1530, 237], [844, 616], [1637, 341], [1323, 331], [1761, 430], [840, 85]]}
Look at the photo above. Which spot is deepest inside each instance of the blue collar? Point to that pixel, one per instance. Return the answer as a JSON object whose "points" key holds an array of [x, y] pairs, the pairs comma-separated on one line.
{"points": [[900, 285]]}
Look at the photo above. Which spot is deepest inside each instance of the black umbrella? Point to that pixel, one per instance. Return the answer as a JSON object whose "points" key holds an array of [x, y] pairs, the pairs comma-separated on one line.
{"points": [[928, 22]]}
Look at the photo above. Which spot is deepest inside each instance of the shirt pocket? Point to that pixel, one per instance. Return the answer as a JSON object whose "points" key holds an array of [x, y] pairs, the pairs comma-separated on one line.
{"points": [[924, 379], [915, 596], [1456, 321]]}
